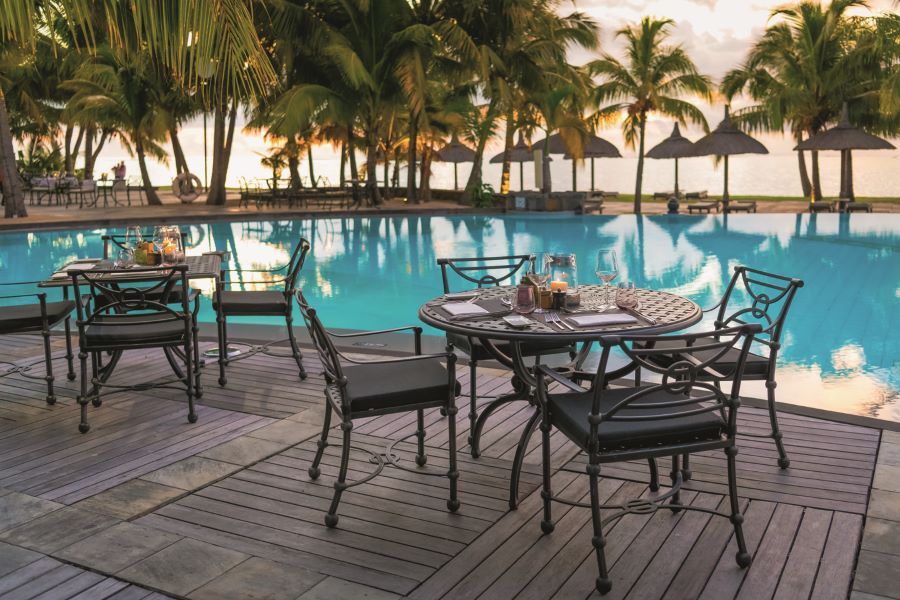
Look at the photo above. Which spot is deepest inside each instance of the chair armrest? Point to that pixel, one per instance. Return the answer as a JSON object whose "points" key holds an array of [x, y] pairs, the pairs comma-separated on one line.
{"points": [[6, 283], [400, 359], [417, 337], [558, 378], [254, 270], [12, 296]]}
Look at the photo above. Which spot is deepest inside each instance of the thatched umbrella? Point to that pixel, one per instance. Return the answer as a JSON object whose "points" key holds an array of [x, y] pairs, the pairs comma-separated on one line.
{"points": [[455, 152], [845, 138], [520, 153], [675, 146], [596, 147], [724, 141]]}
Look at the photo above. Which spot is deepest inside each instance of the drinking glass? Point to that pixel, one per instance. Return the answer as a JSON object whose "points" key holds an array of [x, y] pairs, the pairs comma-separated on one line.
{"points": [[541, 278], [124, 258], [626, 296], [523, 300], [607, 270], [133, 236]]}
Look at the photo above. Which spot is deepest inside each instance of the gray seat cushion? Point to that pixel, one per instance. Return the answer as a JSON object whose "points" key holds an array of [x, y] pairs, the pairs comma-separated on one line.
{"points": [[569, 413], [756, 366], [477, 351], [134, 329], [27, 317], [373, 387], [252, 303]]}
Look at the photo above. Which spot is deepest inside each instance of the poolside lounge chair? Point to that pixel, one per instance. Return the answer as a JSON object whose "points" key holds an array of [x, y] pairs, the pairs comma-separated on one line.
{"points": [[823, 206], [701, 195], [133, 312], [706, 207], [35, 317], [480, 272], [854, 206], [271, 303], [593, 202], [746, 207], [358, 389], [769, 297], [662, 195], [678, 416]]}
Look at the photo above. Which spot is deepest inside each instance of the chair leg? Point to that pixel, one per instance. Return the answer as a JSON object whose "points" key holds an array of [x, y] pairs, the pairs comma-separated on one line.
{"points": [[96, 365], [742, 557], [82, 399], [473, 408], [70, 356], [421, 458], [675, 476], [295, 350], [331, 519], [189, 368], [314, 471], [48, 364], [223, 348], [453, 473], [654, 475], [686, 467], [603, 583], [783, 461], [547, 525]]}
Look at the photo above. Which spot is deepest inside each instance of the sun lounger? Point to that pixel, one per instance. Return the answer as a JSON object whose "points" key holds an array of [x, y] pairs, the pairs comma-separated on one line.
{"points": [[702, 195], [822, 206], [593, 202], [701, 207], [858, 207], [747, 207]]}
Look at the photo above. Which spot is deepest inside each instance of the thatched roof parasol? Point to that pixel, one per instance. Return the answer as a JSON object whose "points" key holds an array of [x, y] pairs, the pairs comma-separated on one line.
{"points": [[596, 147], [455, 152], [727, 140], [520, 153], [675, 146]]}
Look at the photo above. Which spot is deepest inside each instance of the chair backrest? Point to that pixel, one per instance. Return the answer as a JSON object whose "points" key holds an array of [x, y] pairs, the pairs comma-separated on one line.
{"points": [[298, 258], [328, 355], [485, 270], [116, 298], [770, 297], [686, 366], [117, 240]]}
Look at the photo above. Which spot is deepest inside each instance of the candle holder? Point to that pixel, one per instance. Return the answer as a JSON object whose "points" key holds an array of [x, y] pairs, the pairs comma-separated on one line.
{"points": [[563, 270]]}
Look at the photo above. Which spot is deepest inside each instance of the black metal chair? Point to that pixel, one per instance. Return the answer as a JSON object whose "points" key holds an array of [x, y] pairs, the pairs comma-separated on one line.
{"points": [[133, 312], [379, 387], [33, 317], [686, 412], [770, 298], [272, 303], [488, 271]]}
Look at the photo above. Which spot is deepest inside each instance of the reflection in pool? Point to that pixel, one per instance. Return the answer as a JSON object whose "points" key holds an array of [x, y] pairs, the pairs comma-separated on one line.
{"points": [[841, 351]]}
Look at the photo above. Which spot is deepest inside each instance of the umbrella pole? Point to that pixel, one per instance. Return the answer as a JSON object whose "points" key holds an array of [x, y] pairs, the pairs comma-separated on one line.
{"points": [[574, 176], [850, 195], [592, 174], [676, 177], [521, 176], [455, 177], [725, 197]]}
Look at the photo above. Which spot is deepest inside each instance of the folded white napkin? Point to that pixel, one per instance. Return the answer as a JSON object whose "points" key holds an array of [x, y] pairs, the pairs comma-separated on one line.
{"points": [[460, 296], [600, 320], [73, 267], [456, 309]]}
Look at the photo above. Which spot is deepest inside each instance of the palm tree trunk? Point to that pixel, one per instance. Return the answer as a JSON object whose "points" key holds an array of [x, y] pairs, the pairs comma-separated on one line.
{"points": [[547, 186], [177, 151], [411, 160], [639, 180], [13, 196], [294, 170], [507, 151], [103, 137], [372, 173], [342, 180], [805, 185], [351, 155], [152, 196], [68, 161], [395, 178], [312, 170], [89, 151], [223, 135], [475, 174], [816, 179], [425, 176]]}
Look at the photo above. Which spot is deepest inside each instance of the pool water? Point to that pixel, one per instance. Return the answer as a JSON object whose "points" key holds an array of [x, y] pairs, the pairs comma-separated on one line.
{"points": [[841, 348]]}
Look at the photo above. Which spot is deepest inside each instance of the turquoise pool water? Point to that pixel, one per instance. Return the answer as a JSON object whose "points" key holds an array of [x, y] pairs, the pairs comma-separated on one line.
{"points": [[842, 350]]}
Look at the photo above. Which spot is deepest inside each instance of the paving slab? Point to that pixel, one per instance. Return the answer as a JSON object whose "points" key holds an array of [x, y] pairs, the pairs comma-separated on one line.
{"points": [[887, 477], [131, 499], [889, 454], [243, 451], [288, 432], [58, 529], [16, 508], [864, 596], [333, 588], [259, 579], [118, 547], [13, 557], [890, 437], [876, 573], [191, 473], [183, 567], [884, 505]]}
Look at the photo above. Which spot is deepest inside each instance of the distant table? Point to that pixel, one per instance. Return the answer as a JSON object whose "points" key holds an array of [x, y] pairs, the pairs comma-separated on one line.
{"points": [[668, 312]]}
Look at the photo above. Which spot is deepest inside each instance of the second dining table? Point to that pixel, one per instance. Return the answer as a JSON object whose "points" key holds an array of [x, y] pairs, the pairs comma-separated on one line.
{"points": [[657, 312]]}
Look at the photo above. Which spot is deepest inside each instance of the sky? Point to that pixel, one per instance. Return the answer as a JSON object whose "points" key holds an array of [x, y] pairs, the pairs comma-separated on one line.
{"points": [[716, 33]]}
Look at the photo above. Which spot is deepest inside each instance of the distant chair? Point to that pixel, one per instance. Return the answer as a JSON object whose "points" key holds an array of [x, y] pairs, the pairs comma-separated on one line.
{"points": [[747, 207], [480, 272], [828, 206], [136, 184], [77, 193], [687, 412], [35, 317], [272, 303], [364, 389], [702, 207], [133, 312]]}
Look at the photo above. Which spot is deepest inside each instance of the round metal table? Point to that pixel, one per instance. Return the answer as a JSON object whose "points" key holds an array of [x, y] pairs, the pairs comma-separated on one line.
{"points": [[658, 312]]}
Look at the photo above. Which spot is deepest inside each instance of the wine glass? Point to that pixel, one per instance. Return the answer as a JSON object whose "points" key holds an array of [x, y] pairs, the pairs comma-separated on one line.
{"points": [[133, 236], [541, 278], [607, 270]]}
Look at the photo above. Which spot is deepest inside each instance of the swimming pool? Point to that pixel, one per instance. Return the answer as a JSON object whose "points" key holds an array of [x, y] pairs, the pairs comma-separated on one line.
{"points": [[841, 349]]}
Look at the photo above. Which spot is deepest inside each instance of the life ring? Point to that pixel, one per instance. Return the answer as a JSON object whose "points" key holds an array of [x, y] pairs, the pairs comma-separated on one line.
{"points": [[185, 187]]}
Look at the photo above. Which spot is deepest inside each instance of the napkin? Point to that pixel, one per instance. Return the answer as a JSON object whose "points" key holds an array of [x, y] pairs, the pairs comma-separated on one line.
{"points": [[601, 320], [455, 309], [460, 296], [83, 266]]}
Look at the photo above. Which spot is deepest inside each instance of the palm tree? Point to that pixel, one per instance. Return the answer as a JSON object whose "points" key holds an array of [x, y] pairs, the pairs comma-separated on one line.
{"points": [[652, 78], [117, 91], [802, 70]]}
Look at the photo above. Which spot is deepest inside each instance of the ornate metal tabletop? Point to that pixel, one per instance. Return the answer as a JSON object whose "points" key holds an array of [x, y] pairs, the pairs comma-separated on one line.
{"points": [[665, 313], [204, 266]]}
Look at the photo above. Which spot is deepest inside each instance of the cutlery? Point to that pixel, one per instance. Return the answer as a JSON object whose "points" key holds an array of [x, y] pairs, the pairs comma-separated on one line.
{"points": [[563, 322], [640, 315]]}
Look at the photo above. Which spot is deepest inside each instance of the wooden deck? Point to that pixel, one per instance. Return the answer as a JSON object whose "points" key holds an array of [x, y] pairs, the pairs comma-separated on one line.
{"points": [[232, 494]]}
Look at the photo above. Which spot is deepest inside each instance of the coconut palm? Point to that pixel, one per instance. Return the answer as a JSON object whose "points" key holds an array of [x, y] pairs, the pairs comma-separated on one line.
{"points": [[652, 79], [802, 70]]}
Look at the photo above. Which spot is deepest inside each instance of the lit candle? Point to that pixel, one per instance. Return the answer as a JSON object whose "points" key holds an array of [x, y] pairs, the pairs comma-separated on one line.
{"points": [[559, 286]]}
